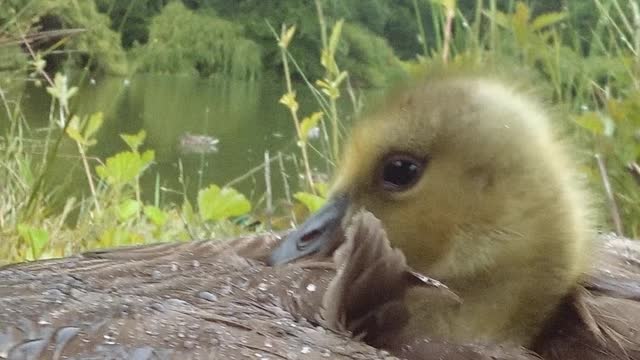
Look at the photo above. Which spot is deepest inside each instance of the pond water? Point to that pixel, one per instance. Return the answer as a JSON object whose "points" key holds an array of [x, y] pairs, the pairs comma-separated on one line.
{"points": [[245, 117]]}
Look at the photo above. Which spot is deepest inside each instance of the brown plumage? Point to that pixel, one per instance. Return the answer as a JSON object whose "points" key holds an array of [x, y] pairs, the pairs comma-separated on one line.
{"points": [[601, 318], [210, 300]]}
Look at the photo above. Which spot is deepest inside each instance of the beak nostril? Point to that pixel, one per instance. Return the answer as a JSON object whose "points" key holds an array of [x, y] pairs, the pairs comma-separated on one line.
{"points": [[317, 235], [307, 238]]}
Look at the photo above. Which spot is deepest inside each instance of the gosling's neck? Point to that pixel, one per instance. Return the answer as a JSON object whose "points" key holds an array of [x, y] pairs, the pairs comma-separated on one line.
{"points": [[507, 291]]}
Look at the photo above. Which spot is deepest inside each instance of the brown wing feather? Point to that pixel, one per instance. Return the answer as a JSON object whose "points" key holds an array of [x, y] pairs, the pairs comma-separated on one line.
{"points": [[197, 300], [214, 299], [601, 320], [211, 300], [366, 298]]}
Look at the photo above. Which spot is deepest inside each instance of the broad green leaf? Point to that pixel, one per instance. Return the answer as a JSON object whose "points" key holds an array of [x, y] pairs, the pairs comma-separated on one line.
{"points": [[548, 19], [156, 215], [308, 123], [128, 209], [37, 238], [134, 140], [311, 201], [147, 157], [592, 122], [124, 167], [217, 204]]}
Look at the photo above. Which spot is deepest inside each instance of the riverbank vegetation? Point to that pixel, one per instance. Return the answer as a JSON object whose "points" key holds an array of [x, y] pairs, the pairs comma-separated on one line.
{"points": [[585, 53]]}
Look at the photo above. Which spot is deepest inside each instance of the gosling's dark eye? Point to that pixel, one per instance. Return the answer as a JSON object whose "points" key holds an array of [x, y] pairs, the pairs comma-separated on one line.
{"points": [[400, 172]]}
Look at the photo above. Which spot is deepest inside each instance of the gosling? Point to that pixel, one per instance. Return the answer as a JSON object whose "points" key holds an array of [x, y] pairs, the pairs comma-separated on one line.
{"points": [[471, 183]]}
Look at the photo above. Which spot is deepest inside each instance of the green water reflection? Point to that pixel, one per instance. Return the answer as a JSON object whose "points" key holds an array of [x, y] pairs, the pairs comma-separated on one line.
{"points": [[245, 116]]}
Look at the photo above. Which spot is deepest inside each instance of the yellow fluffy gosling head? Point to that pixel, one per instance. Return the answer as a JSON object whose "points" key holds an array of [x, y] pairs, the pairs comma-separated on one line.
{"points": [[470, 183]]}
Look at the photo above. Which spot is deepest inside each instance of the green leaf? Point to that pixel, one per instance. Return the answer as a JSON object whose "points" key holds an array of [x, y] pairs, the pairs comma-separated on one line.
{"points": [[124, 167], [37, 238], [328, 88], [548, 19], [128, 209], [289, 100], [322, 188], [147, 157], [311, 201], [287, 35], [187, 212], [591, 122], [343, 75], [135, 140], [61, 91], [156, 215], [217, 204], [308, 123], [334, 38], [522, 13], [328, 61], [73, 131], [500, 18], [93, 125]]}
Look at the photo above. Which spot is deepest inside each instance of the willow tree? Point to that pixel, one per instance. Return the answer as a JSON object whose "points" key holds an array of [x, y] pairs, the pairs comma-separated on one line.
{"points": [[183, 41]]}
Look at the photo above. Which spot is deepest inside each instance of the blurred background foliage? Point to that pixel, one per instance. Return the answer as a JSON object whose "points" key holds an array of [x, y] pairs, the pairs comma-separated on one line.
{"points": [[197, 35]]}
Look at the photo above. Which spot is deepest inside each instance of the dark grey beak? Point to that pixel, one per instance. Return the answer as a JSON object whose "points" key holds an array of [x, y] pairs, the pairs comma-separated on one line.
{"points": [[319, 234]]}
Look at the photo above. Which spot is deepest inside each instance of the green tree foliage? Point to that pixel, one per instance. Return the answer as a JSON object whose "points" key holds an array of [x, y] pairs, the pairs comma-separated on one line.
{"points": [[364, 52], [182, 41], [98, 46], [131, 18], [368, 57]]}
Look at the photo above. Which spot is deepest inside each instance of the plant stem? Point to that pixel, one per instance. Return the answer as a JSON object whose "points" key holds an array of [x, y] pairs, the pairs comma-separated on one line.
{"points": [[267, 180], [294, 115], [87, 172], [331, 77], [450, 13], [423, 38], [285, 182], [493, 26], [613, 206]]}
